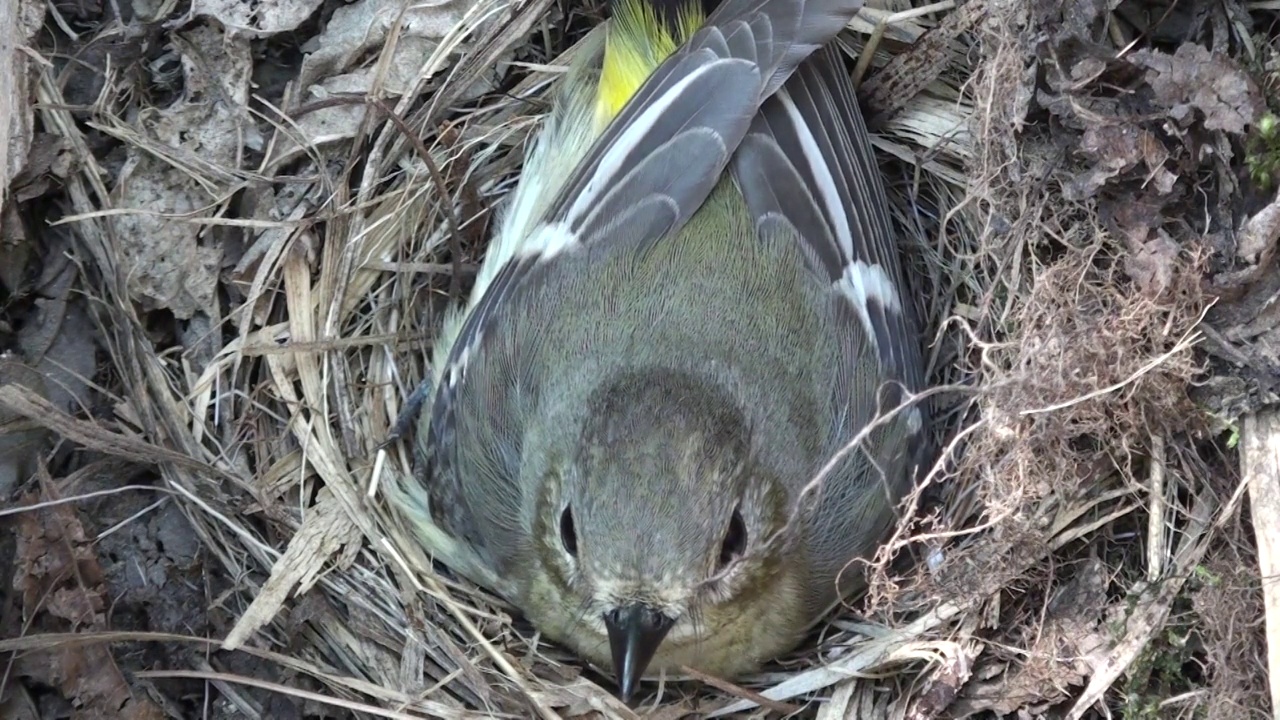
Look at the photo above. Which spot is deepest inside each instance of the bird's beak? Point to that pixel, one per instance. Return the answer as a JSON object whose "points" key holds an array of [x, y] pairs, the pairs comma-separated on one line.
{"points": [[635, 632]]}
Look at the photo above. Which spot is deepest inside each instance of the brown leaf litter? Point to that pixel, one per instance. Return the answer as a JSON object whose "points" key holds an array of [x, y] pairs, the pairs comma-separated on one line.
{"points": [[57, 575], [253, 211]]}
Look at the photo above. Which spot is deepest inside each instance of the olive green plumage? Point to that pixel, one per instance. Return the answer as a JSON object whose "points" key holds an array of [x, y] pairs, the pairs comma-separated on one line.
{"points": [[626, 429]]}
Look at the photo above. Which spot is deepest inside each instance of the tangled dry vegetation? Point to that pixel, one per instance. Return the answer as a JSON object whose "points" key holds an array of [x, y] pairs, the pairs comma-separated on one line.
{"points": [[229, 227]]}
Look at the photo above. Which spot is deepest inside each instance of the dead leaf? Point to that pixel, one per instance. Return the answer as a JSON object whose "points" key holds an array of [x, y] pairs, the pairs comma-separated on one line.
{"points": [[21, 440], [1257, 240], [1080, 17], [58, 337], [54, 556], [365, 26], [56, 571], [49, 160], [1154, 156], [212, 119], [1086, 71], [261, 18], [16, 248], [1152, 262], [165, 264], [184, 164], [1117, 147], [1195, 79], [336, 65], [943, 687], [16, 703]]}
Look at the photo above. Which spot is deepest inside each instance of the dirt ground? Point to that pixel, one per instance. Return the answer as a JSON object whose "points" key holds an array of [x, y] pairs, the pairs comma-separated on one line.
{"points": [[228, 229]]}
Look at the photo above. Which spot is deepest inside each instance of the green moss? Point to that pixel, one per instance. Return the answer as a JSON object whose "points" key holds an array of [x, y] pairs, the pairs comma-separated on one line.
{"points": [[1262, 154]]}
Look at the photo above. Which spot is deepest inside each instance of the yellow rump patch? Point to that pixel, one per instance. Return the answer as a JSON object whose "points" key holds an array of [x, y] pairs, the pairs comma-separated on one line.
{"points": [[637, 43]]}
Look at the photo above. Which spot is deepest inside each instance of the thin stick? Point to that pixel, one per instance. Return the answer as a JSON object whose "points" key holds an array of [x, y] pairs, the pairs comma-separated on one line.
{"points": [[1260, 464]]}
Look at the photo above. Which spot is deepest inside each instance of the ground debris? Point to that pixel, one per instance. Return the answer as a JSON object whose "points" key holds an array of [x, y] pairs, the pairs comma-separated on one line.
{"points": [[1195, 79], [61, 585], [265, 205]]}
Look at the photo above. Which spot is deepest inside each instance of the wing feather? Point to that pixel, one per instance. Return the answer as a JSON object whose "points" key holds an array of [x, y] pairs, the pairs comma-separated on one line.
{"points": [[665, 151], [652, 168], [812, 134]]}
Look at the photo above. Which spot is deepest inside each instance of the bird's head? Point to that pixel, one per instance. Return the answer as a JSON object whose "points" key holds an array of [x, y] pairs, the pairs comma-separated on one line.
{"points": [[659, 530]]}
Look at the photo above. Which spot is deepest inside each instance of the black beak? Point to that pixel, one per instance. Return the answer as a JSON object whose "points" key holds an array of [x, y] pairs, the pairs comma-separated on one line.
{"points": [[635, 632]]}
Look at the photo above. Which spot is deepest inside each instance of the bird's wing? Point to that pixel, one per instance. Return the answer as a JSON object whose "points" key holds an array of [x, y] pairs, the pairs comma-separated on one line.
{"points": [[807, 172], [807, 165], [655, 163], [651, 168]]}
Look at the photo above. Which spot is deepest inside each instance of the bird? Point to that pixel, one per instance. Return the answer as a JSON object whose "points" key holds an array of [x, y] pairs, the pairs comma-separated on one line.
{"points": [[677, 407]]}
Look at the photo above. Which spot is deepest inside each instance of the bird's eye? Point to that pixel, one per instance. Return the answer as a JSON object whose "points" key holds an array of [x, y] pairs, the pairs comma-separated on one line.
{"points": [[735, 539], [568, 537]]}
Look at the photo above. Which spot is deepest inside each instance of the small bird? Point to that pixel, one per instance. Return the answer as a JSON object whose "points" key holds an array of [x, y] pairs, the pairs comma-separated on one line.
{"points": [[638, 423]]}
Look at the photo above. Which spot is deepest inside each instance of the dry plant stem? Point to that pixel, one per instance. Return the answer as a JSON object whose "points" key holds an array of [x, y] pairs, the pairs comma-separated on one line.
{"points": [[436, 590], [363, 708], [840, 706], [79, 499], [1260, 463], [1156, 507], [732, 689], [449, 207], [29, 404], [9, 62], [229, 690], [1191, 337], [178, 427], [66, 641], [486, 56], [894, 646], [1116, 32], [1142, 32], [869, 50]]}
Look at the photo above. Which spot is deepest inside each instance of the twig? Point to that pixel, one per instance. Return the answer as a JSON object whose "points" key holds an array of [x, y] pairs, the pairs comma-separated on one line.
{"points": [[1260, 464], [1156, 508], [734, 689]]}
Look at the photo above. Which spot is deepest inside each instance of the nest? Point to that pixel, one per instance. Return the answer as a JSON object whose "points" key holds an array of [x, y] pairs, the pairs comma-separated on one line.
{"points": [[263, 270]]}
